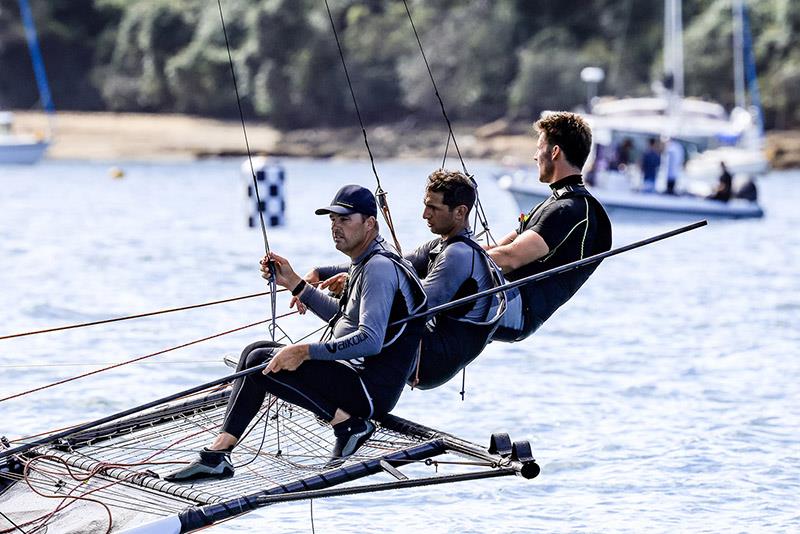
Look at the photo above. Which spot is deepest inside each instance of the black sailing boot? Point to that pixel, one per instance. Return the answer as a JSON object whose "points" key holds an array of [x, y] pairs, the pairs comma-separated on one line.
{"points": [[350, 434], [210, 465]]}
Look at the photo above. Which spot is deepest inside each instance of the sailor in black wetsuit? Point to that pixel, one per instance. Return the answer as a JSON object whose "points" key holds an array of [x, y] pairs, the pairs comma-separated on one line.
{"points": [[568, 226], [359, 372]]}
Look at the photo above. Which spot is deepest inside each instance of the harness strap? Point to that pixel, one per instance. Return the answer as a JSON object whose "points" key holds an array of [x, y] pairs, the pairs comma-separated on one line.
{"points": [[497, 278], [397, 312]]}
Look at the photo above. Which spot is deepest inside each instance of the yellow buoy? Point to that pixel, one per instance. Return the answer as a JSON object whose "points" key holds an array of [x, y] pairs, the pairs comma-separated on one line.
{"points": [[116, 172]]}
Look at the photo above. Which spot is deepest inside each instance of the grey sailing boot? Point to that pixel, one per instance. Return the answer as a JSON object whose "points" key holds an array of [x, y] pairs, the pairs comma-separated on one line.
{"points": [[210, 465]]}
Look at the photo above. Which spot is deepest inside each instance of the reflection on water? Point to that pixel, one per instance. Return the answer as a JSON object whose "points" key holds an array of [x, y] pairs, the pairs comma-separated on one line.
{"points": [[662, 397]]}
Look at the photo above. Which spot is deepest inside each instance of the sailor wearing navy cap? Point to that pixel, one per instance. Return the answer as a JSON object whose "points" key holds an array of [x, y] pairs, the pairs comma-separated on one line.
{"points": [[358, 372]]}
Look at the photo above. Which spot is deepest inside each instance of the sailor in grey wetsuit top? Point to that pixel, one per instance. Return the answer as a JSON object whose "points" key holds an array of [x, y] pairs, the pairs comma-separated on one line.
{"points": [[451, 267], [360, 370], [568, 226]]}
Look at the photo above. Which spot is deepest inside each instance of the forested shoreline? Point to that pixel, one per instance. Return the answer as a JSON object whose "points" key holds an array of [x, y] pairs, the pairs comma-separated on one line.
{"points": [[492, 59]]}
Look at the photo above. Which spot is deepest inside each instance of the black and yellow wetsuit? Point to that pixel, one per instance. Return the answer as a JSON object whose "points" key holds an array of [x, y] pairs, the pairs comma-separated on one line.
{"points": [[575, 226]]}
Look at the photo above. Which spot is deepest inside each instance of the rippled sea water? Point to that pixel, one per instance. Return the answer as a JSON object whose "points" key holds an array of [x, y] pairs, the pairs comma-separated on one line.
{"points": [[662, 398]]}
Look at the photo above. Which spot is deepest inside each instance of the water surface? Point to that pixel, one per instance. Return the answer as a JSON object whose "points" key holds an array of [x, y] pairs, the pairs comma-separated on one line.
{"points": [[663, 397]]}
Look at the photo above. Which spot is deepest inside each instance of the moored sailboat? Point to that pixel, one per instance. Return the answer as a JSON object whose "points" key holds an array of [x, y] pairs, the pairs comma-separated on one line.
{"points": [[28, 149]]}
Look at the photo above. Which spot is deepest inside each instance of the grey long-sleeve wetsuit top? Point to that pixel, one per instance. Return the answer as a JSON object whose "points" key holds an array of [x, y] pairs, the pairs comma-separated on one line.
{"points": [[453, 263], [361, 330]]}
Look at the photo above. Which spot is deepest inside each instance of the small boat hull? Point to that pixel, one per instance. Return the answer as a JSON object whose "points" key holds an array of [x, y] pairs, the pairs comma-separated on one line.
{"points": [[629, 203], [22, 152]]}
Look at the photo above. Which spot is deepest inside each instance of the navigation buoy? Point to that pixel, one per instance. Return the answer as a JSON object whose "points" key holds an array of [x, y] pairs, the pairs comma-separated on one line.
{"points": [[116, 173], [271, 179]]}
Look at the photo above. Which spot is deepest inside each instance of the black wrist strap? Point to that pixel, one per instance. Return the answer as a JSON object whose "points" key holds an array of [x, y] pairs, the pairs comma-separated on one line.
{"points": [[299, 288]]}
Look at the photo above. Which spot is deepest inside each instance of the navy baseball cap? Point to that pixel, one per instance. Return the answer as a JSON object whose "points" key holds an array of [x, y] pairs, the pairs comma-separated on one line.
{"points": [[351, 199]]}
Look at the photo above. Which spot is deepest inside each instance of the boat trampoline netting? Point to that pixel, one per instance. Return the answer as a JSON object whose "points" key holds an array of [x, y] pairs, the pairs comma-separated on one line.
{"points": [[113, 474]]}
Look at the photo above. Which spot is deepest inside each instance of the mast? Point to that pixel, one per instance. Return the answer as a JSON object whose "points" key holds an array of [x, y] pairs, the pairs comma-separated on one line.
{"points": [[738, 53], [38, 62], [673, 54]]}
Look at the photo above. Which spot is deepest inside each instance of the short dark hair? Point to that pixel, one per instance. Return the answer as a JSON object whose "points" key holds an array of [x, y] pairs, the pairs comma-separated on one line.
{"points": [[570, 132], [456, 187]]}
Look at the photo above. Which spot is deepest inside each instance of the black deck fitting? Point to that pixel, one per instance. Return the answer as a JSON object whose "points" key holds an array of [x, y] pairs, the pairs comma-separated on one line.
{"points": [[500, 443]]}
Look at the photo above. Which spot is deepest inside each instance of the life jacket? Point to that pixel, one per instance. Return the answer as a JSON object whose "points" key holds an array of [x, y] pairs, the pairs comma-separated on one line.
{"points": [[541, 299]]}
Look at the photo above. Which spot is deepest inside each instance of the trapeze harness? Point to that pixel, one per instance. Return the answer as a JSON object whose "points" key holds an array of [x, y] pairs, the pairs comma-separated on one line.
{"points": [[368, 387], [385, 373], [451, 341], [593, 234]]}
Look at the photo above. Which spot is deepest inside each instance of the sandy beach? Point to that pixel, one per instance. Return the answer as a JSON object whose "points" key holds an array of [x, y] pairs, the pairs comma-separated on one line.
{"points": [[137, 136]]}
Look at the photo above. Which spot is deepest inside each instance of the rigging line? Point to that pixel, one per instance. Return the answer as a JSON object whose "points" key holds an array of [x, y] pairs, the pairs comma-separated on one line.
{"points": [[102, 369], [435, 89], [479, 213], [352, 94], [83, 497], [244, 128], [14, 524], [380, 194], [88, 364], [26, 439], [550, 272], [130, 411], [137, 316], [446, 148], [271, 282]]}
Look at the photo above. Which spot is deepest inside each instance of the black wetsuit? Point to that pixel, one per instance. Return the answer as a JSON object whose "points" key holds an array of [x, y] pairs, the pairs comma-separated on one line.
{"points": [[363, 367], [575, 226]]}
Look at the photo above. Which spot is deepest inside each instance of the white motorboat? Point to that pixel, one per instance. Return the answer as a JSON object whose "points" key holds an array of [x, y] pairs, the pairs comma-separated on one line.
{"points": [[626, 202], [702, 133]]}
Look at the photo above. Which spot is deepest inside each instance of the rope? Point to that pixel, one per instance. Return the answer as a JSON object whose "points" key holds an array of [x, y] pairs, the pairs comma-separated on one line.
{"points": [[96, 371], [271, 282], [43, 519], [480, 215], [17, 527], [380, 194], [100, 469], [436, 91], [535, 278], [137, 316]]}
